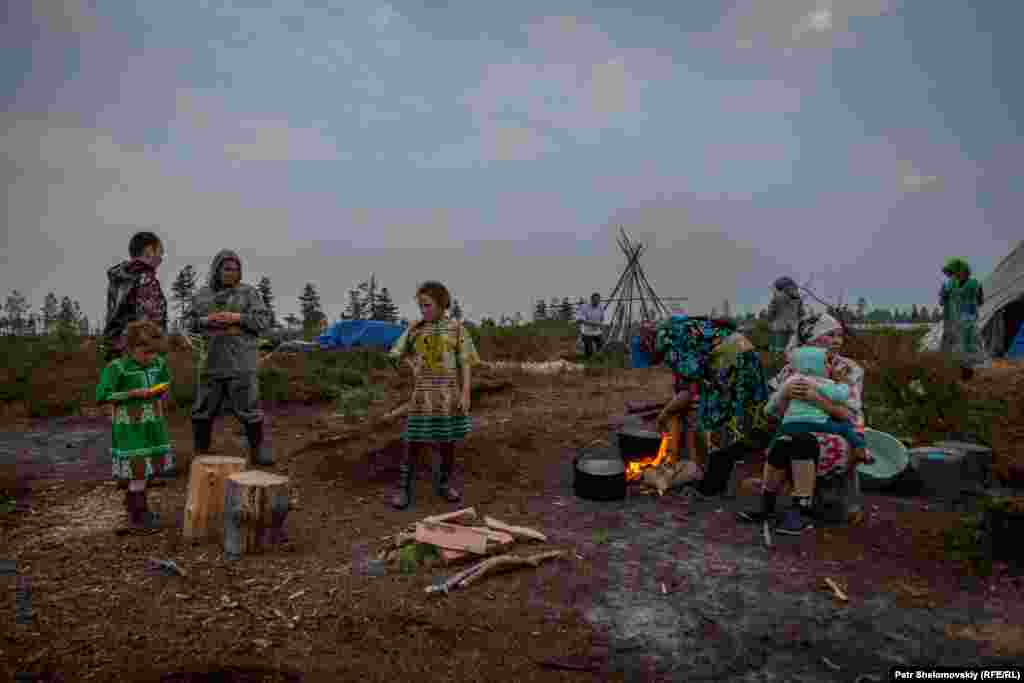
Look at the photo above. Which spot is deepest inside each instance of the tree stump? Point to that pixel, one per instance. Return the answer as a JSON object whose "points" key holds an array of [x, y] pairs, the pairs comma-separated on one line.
{"points": [[255, 508], [204, 507]]}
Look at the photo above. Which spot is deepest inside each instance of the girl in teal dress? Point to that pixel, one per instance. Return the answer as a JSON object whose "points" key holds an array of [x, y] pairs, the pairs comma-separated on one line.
{"points": [[137, 384]]}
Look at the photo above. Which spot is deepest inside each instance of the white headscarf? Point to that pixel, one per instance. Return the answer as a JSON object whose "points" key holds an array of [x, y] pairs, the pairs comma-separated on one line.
{"points": [[812, 328]]}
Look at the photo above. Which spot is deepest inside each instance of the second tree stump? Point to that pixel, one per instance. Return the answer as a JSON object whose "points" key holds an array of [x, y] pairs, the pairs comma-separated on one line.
{"points": [[255, 508]]}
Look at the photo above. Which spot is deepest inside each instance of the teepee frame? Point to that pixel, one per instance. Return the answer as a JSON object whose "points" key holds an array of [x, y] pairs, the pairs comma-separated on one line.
{"points": [[632, 287]]}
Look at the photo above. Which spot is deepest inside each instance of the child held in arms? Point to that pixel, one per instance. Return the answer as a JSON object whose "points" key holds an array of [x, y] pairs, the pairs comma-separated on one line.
{"points": [[136, 384], [437, 348], [804, 417]]}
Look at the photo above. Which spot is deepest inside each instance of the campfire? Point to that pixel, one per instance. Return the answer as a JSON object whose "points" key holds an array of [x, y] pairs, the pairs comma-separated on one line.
{"points": [[666, 455]]}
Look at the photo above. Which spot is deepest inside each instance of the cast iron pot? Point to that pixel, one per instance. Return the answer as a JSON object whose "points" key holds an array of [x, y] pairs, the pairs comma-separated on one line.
{"points": [[599, 475], [636, 442]]}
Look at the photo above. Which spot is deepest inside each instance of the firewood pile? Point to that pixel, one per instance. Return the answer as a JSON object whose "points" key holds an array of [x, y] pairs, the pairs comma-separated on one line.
{"points": [[460, 537], [668, 475]]}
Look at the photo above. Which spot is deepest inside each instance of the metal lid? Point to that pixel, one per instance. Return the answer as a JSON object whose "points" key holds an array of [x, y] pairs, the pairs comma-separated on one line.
{"points": [[601, 466], [637, 432]]}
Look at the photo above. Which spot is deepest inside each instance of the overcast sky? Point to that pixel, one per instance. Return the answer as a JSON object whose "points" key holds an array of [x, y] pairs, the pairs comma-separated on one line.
{"points": [[496, 147]]}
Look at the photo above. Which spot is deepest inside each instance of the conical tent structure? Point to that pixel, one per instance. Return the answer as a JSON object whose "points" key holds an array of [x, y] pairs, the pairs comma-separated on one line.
{"points": [[633, 299]]}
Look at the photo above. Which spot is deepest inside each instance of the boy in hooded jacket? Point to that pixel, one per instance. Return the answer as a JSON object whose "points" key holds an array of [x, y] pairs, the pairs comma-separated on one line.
{"points": [[229, 317], [134, 293]]}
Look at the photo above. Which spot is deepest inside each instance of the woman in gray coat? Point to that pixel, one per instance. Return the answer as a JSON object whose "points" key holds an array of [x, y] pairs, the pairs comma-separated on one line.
{"points": [[230, 316], [785, 312]]}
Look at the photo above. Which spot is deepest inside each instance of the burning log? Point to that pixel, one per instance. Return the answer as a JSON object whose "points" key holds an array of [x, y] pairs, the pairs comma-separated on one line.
{"points": [[668, 453]]}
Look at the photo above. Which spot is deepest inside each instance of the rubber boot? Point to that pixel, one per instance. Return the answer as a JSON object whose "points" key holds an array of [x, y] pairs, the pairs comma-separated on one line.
{"points": [[406, 476], [139, 516], [202, 433], [442, 476], [260, 452]]}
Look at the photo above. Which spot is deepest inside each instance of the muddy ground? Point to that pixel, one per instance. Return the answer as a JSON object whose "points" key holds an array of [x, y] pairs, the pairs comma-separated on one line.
{"points": [[668, 588]]}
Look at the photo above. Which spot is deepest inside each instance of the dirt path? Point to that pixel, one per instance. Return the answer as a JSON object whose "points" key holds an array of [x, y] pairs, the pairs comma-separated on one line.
{"points": [[686, 593], [315, 610]]}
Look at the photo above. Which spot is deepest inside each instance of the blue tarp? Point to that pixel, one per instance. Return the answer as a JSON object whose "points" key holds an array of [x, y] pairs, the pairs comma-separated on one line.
{"points": [[349, 334], [1016, 350]]}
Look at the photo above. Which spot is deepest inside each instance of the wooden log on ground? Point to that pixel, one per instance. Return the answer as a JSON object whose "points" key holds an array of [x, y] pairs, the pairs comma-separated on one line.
{"points": [[204, 504], [255, 509], [508, 561], [458, 517], [515, 531]]}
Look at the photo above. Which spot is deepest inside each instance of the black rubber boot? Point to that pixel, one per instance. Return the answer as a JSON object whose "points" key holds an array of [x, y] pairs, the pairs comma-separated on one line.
{"points": [[260, 452], [442, 477], [406, 477], [139, 516], [202, 433]]}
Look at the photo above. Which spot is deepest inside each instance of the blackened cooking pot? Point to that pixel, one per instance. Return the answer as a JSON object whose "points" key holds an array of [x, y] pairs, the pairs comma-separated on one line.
{"points": [[636, 442], [599, 475]]}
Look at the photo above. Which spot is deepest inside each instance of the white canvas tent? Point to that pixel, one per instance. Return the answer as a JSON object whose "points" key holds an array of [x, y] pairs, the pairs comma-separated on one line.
{"points": [[1000, 317], [1003, 311]]}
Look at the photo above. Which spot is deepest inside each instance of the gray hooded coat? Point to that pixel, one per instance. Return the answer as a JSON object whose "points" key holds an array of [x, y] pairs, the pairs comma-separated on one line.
{"points": [[229, 351], [786, 307]]}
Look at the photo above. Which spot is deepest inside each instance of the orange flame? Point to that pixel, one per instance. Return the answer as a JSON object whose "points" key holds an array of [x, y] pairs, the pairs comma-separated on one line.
{"points": [[635, 468]]}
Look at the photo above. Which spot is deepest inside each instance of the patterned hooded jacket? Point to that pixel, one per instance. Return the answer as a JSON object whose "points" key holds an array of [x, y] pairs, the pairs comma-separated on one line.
{"points": [[228, 351], [133, 293]]}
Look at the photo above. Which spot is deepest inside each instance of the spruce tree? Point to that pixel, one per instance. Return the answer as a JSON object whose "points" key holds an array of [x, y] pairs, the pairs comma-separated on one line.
{"points": [[565, 311], [50, 311], [183, 289], [309, 305], [267, 294], [540, 311]]}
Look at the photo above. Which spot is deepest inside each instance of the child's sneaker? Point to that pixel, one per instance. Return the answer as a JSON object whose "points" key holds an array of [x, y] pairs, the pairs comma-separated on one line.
{"points": [[795, 521]]}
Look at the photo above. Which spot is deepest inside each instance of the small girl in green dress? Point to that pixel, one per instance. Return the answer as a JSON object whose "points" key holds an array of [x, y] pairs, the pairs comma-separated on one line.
{"points": [[136, 384], [438, 349]]}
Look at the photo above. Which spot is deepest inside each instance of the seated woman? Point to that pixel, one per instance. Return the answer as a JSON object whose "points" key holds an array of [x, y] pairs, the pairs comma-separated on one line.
{"points": [[807, 457], [719, 383]]}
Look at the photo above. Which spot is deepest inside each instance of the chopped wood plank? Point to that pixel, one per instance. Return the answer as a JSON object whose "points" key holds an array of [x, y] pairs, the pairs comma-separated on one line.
{"points": [[516, 531], [452, 536], [495, 540]]}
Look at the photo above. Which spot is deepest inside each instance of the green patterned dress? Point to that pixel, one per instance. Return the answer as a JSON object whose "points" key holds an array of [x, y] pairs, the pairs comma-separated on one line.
{"points": [[139, 428], [439, 350]]}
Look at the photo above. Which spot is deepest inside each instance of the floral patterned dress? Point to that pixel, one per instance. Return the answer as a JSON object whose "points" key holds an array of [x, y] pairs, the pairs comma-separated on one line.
{"points": [[835, 450], [719, 368], [439, 350], [139, 427]]}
